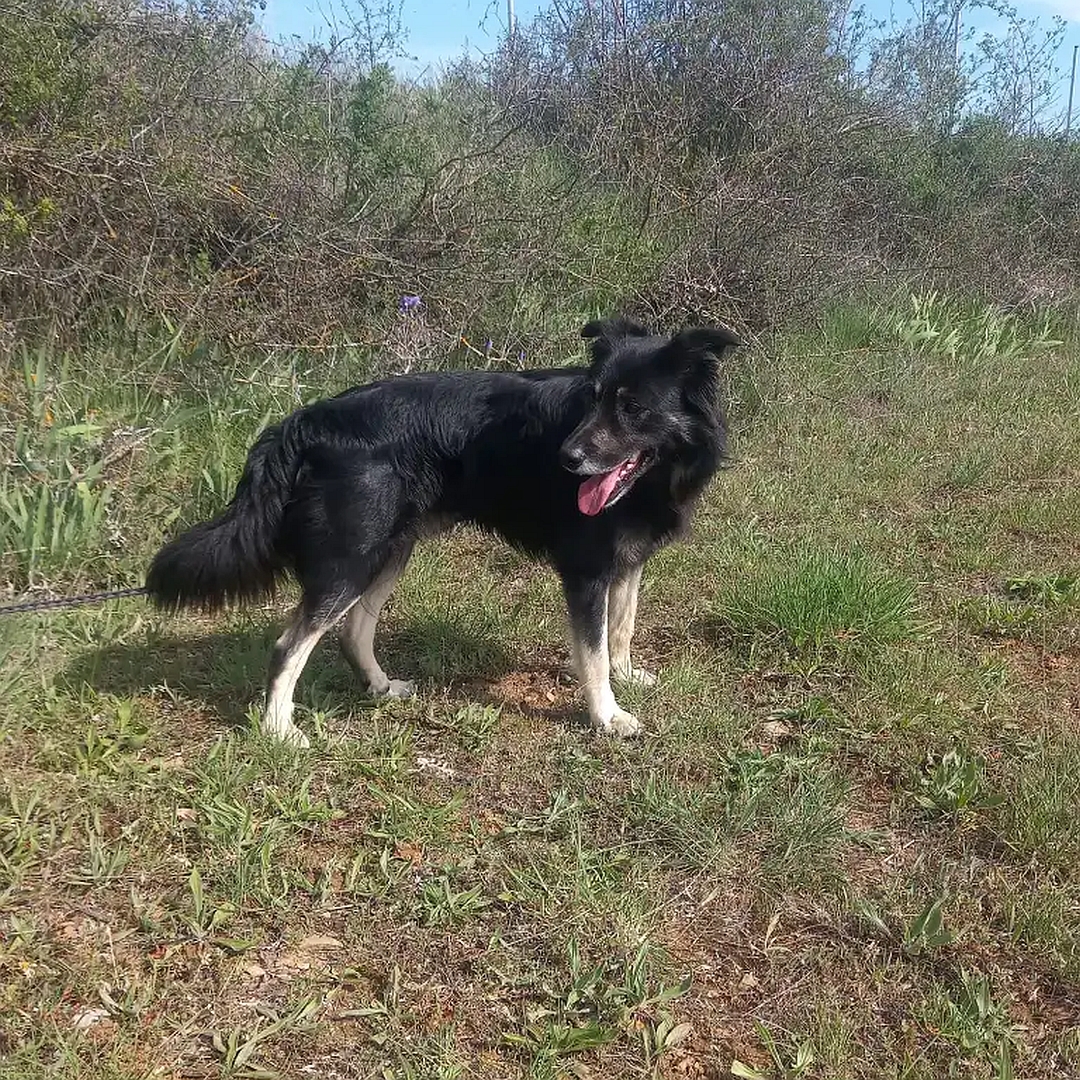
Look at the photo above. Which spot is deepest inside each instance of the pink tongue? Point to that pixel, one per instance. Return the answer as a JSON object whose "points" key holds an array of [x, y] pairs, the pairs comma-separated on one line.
{"points": [[593, 495]]}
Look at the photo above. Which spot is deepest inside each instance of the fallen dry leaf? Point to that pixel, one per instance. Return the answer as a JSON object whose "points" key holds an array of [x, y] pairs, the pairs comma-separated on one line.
{"points": [[409, 852], [776, 730], [87, 1018], [318, 942]]}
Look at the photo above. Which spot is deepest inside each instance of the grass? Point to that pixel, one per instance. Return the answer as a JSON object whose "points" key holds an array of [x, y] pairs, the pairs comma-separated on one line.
{"points": [[847, 846], [816, 600]]}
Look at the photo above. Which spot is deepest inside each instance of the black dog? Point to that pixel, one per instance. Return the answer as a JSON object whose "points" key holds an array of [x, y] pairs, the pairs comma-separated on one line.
{"points": [[590, 468]]}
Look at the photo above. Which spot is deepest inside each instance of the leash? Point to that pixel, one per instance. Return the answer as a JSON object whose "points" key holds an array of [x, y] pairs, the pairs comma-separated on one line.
{"points": [[69, 601]]}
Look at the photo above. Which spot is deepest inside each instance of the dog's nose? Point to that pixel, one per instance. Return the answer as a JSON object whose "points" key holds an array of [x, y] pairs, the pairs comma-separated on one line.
{"points": [[571, 457]]}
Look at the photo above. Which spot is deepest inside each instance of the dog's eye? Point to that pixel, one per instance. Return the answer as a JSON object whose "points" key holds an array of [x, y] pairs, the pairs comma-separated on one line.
{"points": [[630, 407]]}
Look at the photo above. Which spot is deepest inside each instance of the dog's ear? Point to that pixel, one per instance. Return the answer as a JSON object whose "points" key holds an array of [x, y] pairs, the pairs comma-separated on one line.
{"points": [[708, 339], [694, 354], [697, 350], [605, 333]]}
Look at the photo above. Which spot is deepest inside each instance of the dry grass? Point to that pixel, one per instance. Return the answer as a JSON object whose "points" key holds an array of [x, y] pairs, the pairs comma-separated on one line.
{"points": [[820, 861]]}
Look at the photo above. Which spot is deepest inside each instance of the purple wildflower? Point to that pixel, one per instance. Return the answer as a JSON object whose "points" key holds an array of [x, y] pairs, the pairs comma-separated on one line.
{"points": [[489, 344], [408, 303]]}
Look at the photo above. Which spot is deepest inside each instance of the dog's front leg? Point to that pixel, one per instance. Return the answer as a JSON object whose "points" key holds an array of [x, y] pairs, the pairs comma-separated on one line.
{"points": [[622, 611], [587, 600]]}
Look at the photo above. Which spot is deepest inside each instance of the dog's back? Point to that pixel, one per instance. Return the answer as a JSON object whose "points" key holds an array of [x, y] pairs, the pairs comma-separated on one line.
{"points": [[376, 465]]}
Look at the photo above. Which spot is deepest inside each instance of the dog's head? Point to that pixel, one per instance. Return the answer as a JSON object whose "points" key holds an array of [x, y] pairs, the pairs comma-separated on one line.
{"points": [[653, 397]]}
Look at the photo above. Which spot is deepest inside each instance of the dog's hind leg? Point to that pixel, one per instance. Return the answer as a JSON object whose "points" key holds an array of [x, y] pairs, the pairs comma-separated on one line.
{"points": [[622, 611], [587, 601], [358, 633], [339, 533], [287, 662]]}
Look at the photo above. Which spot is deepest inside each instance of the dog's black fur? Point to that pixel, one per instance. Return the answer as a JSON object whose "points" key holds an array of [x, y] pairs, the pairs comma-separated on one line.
{"points": [[343, 487]]}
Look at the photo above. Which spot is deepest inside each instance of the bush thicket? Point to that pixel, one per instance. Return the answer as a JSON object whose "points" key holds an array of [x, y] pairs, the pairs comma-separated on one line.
{"points": [[746, 160]]}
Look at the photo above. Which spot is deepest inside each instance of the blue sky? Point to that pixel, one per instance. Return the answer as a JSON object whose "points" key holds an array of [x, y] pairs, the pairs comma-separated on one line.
{"points": [[440, 31], [436, 31]]}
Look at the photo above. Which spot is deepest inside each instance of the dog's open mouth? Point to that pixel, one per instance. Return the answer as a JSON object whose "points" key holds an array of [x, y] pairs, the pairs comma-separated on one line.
{"points": [[604, 489]]}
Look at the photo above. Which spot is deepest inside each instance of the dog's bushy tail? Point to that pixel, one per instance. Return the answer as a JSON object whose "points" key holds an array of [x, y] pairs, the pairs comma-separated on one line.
{"points": [[235, 557]]}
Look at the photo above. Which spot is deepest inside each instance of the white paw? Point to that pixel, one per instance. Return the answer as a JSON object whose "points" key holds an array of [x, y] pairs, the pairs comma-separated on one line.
{"points": [[287, 733], [396, 688], [620, 722], [637, 677]]}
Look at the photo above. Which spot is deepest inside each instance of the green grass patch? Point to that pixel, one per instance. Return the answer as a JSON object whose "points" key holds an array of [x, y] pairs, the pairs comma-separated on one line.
{"points": [[819, 600]]}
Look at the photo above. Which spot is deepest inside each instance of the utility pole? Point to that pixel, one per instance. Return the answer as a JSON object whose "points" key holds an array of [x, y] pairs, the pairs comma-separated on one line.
{"points": [[510, 24], [1072, 87]]}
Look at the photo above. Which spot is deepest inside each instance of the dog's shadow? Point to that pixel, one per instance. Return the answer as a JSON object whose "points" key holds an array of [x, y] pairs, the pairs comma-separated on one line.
{"points": [[225, 670]]}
